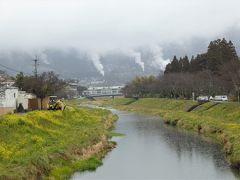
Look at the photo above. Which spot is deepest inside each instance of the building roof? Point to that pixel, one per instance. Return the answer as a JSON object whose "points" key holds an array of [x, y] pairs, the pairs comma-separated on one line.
{"points": [[105, 87]]}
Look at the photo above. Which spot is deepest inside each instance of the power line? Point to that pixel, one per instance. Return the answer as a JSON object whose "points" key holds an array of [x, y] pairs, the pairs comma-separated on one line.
{"points": [[12, 69]]}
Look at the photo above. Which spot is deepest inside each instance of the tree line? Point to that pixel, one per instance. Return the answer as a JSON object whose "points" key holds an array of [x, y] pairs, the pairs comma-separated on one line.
{"points": [[215, 72], [45, 84]]}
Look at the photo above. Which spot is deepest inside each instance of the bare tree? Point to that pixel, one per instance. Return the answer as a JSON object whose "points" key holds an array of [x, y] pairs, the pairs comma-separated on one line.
{"points": [[231, 73], [47, 83]]}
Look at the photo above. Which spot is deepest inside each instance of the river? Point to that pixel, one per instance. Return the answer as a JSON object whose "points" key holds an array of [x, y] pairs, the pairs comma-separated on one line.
{"points": [[152, 150]]}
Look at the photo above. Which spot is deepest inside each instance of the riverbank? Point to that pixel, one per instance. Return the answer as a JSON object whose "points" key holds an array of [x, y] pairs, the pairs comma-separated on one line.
{"points": [[220, 122], [54, 144]]}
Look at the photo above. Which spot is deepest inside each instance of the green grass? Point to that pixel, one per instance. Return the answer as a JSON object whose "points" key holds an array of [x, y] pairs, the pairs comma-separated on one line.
{"points": [[220, 122], [63, 172], [114, 134], [53, 144]]}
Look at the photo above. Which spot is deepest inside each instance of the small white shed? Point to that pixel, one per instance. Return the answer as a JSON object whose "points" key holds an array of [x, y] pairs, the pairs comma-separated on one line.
{"points": [[23, 98]]}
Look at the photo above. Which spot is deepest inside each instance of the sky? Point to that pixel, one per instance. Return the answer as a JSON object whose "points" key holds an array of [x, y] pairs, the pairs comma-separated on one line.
{"points": [[101, 26]]}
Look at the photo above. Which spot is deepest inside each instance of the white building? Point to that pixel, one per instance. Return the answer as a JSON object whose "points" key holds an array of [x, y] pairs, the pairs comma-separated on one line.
{"points": [[23, 98], [72, 90], [8, 97], [8, 83], [103, 91]]}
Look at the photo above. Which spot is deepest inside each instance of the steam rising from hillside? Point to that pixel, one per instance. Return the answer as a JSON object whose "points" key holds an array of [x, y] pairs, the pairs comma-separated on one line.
{"points": [[97, 63], [111, 25], [138, 59], [40, 54], [158, 60]]}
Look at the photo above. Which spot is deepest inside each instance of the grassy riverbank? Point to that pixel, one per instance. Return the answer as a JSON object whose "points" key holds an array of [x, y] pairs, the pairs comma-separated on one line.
{"points": [[221, 122], [53, 144]]}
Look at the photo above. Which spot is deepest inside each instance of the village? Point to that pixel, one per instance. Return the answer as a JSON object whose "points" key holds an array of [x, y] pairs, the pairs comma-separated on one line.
{"points": [[13, 100]]}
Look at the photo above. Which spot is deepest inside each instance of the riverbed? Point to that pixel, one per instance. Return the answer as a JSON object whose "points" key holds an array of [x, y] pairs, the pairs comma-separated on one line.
{"points": [[153, 150]]}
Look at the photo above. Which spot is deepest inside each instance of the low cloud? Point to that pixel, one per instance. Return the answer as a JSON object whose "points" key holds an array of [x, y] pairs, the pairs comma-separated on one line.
{"points": [[101, 26]]}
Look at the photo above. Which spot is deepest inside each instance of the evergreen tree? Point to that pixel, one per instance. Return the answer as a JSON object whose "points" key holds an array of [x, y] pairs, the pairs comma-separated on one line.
{"points": [[220, 52], [172, 67], [185, 64], [19, 80]]}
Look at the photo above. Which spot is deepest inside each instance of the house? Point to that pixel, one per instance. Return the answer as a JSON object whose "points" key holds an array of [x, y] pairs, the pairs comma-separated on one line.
{"points": [[11, 98], [8, 99], [7, 83], [23, 98]]}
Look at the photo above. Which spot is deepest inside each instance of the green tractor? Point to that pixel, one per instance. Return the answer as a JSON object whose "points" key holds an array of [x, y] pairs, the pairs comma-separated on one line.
{"points": [[55, 103]]}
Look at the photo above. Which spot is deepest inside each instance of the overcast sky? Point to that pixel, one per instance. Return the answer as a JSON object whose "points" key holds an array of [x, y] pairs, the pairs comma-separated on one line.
{"points": [[103, 25]]}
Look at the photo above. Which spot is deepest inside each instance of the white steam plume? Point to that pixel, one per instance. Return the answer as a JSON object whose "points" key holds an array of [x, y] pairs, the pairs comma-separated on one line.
{"points": [[138, 59], [158, 61], [97, 63], [42, 56]]}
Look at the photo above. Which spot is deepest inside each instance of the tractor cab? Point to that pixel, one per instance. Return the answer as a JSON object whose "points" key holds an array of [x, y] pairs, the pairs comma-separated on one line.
{"points": [[55, 103], [52, 102]]}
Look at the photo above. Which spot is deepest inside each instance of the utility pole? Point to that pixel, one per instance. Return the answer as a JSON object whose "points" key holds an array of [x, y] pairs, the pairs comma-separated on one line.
{"points": [[35, 66], [193, 96]]}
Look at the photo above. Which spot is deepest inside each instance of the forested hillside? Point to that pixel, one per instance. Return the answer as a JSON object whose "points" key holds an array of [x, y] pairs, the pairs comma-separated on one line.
{"points": [[215, 72], [219, 53]]}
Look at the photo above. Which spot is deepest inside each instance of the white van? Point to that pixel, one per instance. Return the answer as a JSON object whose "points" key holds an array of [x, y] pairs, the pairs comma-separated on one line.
{"points": [[203, 99], [221, 98]]}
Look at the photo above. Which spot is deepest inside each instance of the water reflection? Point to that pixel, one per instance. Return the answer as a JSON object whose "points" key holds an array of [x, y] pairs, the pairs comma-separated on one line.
{"points": [[153, 151]]}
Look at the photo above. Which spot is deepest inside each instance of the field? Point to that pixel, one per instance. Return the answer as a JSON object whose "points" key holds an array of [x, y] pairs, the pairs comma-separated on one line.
{"points": [[53, 144], [220, 122]]}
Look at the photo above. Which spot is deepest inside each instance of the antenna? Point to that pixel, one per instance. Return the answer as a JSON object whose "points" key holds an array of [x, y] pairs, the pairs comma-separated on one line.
{"points": [[35, 66]]}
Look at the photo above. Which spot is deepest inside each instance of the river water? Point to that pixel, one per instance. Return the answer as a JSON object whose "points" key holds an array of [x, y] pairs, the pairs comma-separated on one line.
{"points": [[152, 150]]}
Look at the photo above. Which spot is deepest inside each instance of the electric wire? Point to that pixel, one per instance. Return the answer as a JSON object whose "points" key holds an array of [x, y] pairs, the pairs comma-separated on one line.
{"points": [[12, 69]]}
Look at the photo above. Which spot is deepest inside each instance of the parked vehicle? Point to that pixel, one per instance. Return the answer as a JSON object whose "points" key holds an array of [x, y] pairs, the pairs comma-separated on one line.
{"points": [[203, 99], [211, 98], [55, 103], [52, 102], [221, 98]]}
